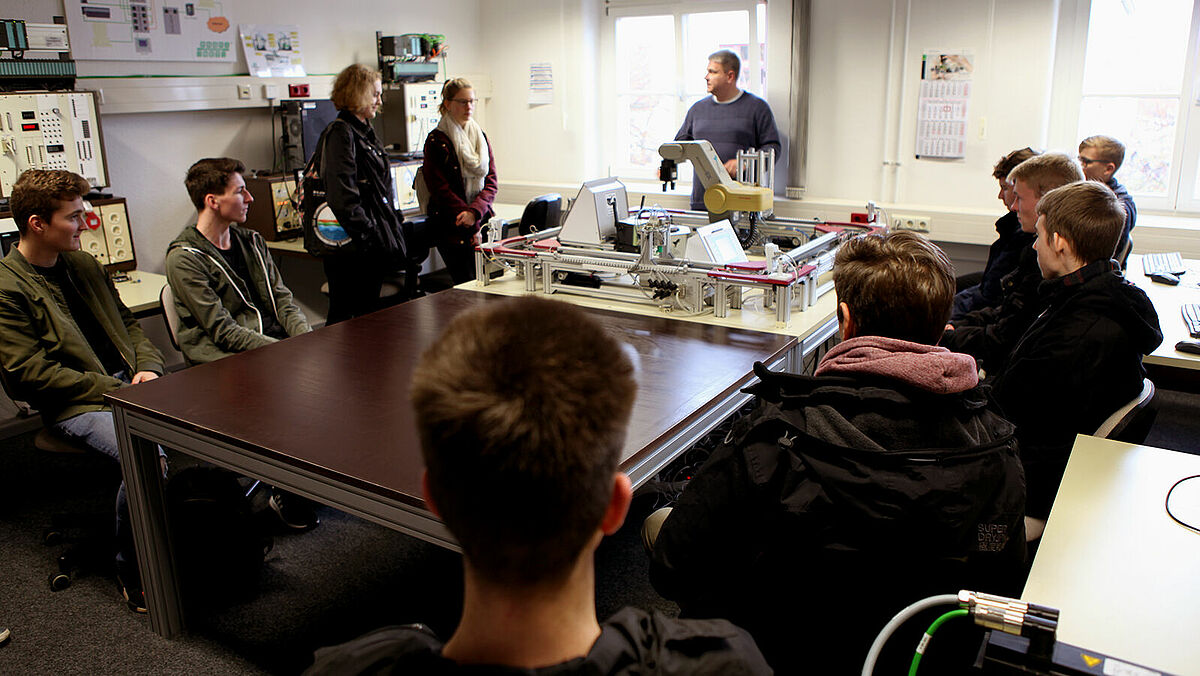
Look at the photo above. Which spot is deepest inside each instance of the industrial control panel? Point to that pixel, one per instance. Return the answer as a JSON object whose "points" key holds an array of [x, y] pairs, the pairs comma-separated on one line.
{"points": [[50, 130], [409, 113], [273, 213], [107, 236]]}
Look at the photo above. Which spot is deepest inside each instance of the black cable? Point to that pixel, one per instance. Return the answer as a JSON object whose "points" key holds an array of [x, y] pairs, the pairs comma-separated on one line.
{"points": [[1167, 504]]}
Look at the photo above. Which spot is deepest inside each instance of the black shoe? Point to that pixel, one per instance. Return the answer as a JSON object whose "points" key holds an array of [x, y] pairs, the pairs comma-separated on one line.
{"points": [[293, 511], [134, 598]]}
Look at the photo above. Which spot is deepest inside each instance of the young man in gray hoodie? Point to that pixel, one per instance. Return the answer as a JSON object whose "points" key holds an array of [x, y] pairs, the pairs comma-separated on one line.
{"points": [[887, 472]]}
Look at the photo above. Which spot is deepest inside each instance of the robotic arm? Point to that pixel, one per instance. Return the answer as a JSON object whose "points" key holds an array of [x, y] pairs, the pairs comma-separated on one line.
{"points": [[721, 193]]}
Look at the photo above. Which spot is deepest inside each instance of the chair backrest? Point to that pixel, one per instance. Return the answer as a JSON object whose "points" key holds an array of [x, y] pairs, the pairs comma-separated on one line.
{"points": [[1122, 420], [166, 299], [422, 190], [541, 213]]}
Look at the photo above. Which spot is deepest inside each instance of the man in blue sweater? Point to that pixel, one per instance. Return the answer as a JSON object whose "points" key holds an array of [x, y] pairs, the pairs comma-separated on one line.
{"points": [[731, 120]]}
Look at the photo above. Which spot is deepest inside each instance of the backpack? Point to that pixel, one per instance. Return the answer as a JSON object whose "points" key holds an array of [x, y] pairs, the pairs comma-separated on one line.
{"points": [[323, 235], [219, 544]]}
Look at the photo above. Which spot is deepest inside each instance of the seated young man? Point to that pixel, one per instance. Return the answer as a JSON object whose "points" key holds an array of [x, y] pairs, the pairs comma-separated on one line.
{"points": [[229, 295], [1082, 358], [1101, 157], [67, 337], [989, 333], [521, 408], [885, 475], [1005, 252]]}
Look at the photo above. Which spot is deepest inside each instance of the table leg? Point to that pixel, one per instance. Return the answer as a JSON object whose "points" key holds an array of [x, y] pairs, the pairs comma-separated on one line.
{"points": [[141, 468]]}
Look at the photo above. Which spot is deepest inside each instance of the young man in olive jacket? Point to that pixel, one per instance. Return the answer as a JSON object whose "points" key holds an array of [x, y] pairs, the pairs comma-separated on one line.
{"points": [[520, 433], [842, 497], [229, 295], [68, 338]]}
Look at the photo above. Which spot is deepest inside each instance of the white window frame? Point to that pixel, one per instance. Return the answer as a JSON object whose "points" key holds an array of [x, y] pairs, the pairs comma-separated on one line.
{"points": [[609, 91], [1067, 95]]}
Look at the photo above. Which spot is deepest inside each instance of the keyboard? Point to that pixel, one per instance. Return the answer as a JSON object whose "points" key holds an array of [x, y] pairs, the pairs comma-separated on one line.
{"points": [[1163, 262], [1191, 317]]}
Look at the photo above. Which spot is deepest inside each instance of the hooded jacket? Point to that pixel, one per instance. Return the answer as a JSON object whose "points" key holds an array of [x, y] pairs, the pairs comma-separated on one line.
{"points": [[217, 313], [887, 473], [1079, 362], [632, 641], [46, 359]]}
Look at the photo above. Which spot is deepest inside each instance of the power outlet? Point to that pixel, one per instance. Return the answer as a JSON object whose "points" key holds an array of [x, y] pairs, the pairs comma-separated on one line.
{"points": [[913, 222], [244, 92], [298, 91]]}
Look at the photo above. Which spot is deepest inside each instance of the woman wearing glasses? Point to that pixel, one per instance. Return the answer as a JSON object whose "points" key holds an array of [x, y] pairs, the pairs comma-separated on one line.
{"points": [[460, 174]]}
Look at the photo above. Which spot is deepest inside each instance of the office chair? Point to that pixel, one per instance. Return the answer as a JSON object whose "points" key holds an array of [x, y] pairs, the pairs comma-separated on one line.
{"points": [[541, 213], [1130, 423], [166, 300]]}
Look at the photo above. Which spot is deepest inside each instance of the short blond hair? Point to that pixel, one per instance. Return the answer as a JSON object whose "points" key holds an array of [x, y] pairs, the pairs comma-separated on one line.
{"points": [[1047, 172], [450, 90], [353, 88], [1107, 148], [1088, 215]]}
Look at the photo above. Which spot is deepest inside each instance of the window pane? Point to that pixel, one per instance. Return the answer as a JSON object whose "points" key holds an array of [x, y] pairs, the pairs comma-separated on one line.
{"points": [[705, 33], [1137, 47], [645, 122], [645, 54], [761, 18], [1147, 128]]}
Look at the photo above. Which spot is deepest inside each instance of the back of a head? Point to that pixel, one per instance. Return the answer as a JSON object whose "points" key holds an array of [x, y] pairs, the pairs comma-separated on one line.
{"points": [[1107, 149], [40, 192], [898, 285], [1047, 171], [210, 176], [1088, 215], [522, 407]]}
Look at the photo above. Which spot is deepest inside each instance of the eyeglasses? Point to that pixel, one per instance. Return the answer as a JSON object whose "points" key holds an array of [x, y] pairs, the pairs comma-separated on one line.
{"points": [[466, 102], [1085, 161]]}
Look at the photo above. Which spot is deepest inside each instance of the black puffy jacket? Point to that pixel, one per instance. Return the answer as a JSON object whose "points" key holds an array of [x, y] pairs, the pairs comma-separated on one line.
{"points": [[358, 187]]}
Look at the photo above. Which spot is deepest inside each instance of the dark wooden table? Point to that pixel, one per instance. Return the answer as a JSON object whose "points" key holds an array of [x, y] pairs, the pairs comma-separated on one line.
{"points": [[326, 415]]}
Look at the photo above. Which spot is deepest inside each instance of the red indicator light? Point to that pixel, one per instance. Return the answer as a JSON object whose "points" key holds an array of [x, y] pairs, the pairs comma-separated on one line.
{"points": [[29, 126]]}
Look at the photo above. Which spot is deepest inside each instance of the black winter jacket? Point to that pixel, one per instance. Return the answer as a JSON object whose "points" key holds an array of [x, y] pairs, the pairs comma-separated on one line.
{"points": [[989, 334], [1003, 257], [1079, 361], [839, 488], [358, 188]]}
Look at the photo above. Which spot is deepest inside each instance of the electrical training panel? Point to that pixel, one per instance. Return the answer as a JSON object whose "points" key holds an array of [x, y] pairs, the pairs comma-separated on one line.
{"points": [[50, 130]]}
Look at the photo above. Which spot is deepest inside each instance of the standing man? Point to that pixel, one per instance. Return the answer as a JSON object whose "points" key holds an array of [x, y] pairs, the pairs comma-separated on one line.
{"points": [[1101, 157], [228, 292], [68, 338], [731, 120]]}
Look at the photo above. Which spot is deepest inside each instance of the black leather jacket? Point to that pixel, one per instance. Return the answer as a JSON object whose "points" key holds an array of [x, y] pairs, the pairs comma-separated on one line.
{"points": [[358, 187]]}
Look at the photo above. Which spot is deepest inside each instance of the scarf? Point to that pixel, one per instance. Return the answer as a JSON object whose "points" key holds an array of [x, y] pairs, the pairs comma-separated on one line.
{"points": [[472, 152]]}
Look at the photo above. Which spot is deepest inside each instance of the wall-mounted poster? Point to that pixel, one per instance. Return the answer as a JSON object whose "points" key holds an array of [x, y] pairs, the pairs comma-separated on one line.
{"points": [[150, 30], [272, 51]]}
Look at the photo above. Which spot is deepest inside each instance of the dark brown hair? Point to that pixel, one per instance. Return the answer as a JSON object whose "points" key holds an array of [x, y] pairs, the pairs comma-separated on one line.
{"points": [[1088, 215], [41, 192], [353, 88], [521, 407], [210, 176], [898, 285], [1011, 160]]}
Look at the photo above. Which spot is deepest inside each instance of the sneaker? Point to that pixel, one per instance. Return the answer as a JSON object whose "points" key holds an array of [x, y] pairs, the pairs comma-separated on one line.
{"points": [[134, 598], [5, 634], [293, 511]]}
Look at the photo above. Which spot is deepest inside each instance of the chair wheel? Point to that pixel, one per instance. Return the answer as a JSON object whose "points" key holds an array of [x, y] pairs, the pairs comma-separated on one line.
{"points": [[59, 582], [51, 537]]}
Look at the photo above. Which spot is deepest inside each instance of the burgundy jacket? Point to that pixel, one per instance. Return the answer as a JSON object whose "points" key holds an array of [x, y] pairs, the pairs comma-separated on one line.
{"points": [[447, 192]]}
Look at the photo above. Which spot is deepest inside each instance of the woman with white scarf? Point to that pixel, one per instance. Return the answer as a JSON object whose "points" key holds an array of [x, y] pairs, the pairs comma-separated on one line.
{"points": [[460, 173]]}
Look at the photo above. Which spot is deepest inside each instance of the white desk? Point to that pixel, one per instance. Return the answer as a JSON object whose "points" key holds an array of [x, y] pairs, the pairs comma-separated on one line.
{"points": [[1167, 301], [140, 293], [1120, 570]]}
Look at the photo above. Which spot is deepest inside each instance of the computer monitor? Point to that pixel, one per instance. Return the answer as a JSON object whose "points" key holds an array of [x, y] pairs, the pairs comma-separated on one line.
{"points": [[716, 243], [593, 217], [405, 195]]}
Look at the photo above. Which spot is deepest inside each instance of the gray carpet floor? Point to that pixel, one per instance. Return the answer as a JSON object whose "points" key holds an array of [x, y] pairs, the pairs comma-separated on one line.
{"points": [[346, 577]]}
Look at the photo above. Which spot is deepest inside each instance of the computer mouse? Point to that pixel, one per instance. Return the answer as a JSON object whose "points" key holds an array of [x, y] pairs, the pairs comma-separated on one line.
{"points": [[1192, 346], [1165, 278]]}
